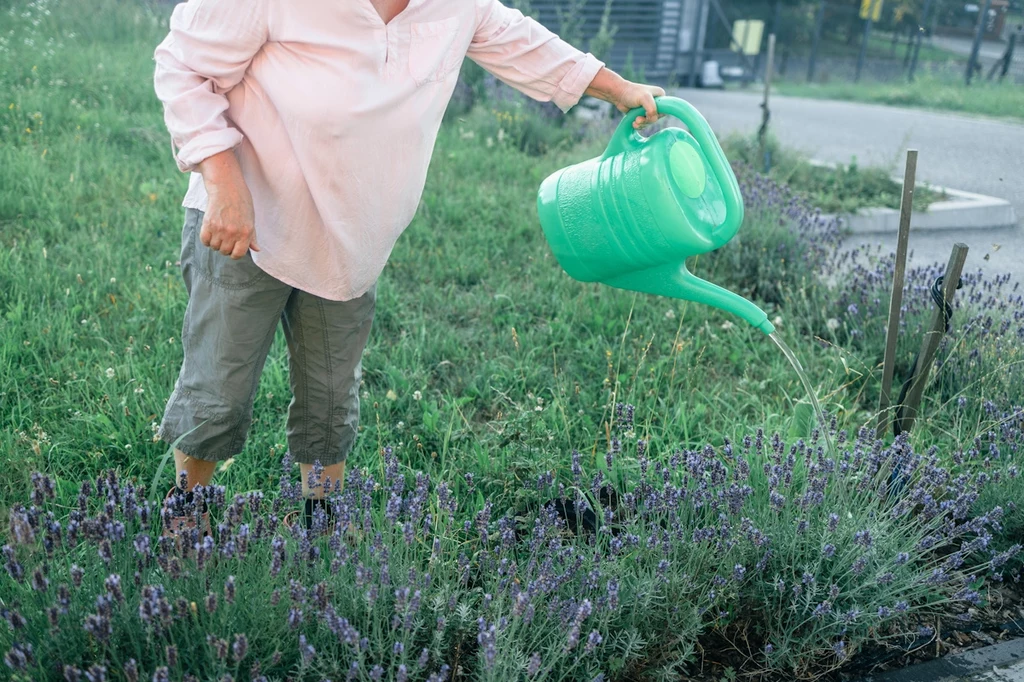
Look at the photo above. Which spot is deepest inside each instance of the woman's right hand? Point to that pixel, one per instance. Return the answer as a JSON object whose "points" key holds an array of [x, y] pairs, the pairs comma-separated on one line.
{"points": [[229, 220]]}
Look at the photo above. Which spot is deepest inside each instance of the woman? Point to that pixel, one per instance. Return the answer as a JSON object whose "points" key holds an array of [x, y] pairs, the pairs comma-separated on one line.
{"points": [[308, 127]]}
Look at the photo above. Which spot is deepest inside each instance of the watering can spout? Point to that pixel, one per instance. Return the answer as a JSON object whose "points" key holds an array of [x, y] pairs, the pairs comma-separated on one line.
{"points": [[675, 281]]}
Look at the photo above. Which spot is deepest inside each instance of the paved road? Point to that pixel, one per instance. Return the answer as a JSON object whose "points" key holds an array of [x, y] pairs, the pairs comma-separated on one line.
{"points": [[977, 155]]}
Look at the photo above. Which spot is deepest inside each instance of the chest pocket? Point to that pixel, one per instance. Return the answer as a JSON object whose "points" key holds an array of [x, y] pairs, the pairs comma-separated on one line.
{"points": [[433, 50]]}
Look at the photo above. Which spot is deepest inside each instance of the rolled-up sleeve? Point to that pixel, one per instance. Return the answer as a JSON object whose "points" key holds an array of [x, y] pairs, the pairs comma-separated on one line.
{"points": [[206, 53], [525, 55]]}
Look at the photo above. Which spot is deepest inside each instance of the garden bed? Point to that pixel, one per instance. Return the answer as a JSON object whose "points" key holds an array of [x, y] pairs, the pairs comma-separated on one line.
{"points": [[850, 190], [843, 189], [495, 392], [951, 209], [867, 200]]}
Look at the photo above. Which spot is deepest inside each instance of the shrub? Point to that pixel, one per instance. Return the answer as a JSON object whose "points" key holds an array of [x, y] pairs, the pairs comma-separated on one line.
{"points": [[808, 555], [1007, 491]]}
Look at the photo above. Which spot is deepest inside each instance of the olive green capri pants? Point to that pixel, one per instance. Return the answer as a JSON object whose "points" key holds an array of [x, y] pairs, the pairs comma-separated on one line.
{"points": [[230, 321]]}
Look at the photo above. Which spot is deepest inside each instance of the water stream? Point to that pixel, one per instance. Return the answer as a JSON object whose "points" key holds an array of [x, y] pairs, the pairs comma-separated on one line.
{"points": [[822, 424]]}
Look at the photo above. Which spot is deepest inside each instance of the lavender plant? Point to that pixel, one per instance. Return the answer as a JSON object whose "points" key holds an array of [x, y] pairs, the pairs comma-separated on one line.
{"points": [[975, 387], [809, 556], [104, 589]]}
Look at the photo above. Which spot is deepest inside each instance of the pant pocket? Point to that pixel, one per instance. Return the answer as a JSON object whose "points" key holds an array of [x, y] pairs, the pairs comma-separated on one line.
{"points": [[217, 268]]}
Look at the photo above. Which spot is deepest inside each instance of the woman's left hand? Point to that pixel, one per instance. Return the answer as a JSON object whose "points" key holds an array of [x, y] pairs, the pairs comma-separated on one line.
{"points": [[626, 95], [635, 95]]}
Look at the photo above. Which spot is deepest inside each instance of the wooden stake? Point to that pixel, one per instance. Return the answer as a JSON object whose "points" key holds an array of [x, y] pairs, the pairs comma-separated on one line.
{"points": [[930, 343], [896, 300], [766, 113]]}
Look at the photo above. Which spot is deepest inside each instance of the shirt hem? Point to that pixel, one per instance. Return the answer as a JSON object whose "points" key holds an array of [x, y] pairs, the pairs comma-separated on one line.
{"points": [[286, 279]]}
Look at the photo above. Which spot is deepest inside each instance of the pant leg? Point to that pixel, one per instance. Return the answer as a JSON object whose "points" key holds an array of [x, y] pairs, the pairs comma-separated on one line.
{"points": [[232, 314], [326, 340]]}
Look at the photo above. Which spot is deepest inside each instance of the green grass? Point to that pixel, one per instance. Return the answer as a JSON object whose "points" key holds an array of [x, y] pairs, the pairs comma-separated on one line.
{"points": [[515, 363], [1002, 100], [485, 359]]}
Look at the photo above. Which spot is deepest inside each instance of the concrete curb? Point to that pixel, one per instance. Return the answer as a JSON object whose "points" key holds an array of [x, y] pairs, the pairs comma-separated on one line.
{"points": [[962, 211], [955, 667]]}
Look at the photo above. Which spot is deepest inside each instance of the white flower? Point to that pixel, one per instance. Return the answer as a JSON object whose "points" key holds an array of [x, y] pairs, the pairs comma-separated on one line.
{"points": [[727, 325], [139, 390], [416, 395], [832, 324], [110, 372], [391, 395], [670, 314], [777, 320]]}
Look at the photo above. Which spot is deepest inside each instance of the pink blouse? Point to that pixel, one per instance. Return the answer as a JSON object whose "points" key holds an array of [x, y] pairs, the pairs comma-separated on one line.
{"points": [[333, 114]]}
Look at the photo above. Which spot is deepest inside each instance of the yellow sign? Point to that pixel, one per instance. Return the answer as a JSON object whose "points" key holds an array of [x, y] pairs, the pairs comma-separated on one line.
{"points": [[872, 6], [746, 36]]}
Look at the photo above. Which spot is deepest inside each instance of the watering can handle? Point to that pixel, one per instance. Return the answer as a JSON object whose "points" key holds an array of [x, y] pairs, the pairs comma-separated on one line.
{"points": [[626, 138]]}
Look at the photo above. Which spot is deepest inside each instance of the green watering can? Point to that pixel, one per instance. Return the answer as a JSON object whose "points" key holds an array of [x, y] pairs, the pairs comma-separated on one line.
{"points": [[631, 217]]}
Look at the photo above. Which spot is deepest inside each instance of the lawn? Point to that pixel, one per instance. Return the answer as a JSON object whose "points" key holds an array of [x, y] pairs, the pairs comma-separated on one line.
{"points": [[731, 535], [927, 91]]}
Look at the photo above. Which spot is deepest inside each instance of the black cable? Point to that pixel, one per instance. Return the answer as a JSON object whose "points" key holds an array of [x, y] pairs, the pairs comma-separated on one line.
{"points": [[947, 315]]}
